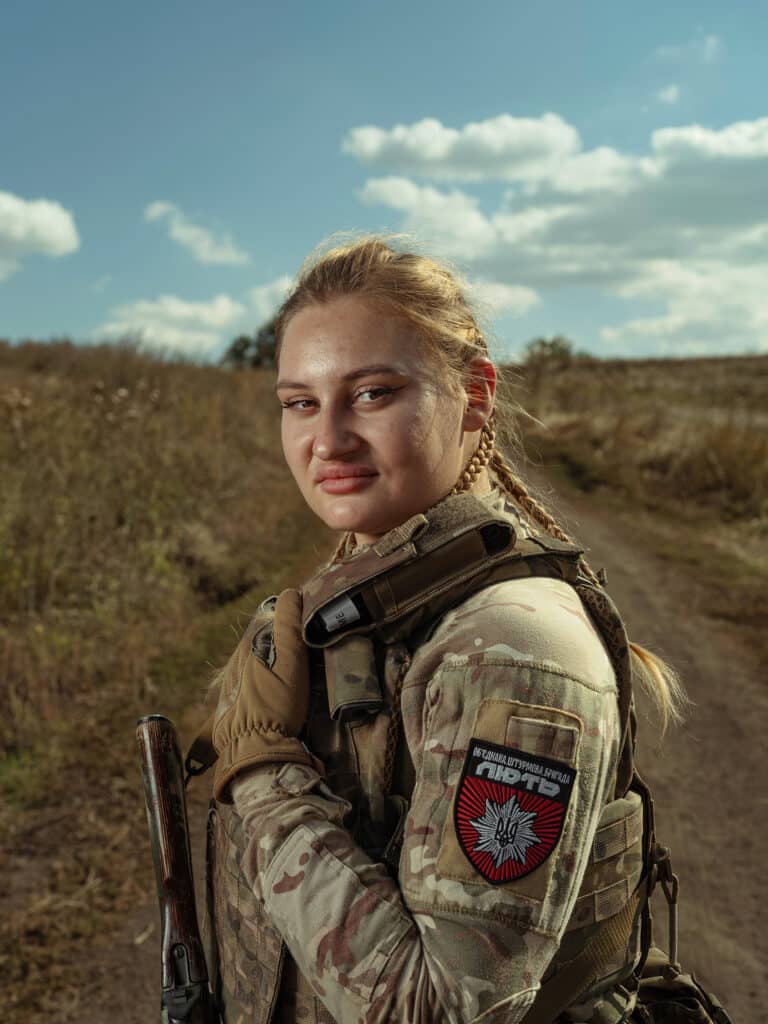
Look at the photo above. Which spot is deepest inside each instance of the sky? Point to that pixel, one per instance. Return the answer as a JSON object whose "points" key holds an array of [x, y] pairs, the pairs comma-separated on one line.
{"points": [[596, 170]]}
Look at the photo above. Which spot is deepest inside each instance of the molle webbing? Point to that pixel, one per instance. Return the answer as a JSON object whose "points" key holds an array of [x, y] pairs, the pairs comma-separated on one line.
{"points": [[615, 864]]}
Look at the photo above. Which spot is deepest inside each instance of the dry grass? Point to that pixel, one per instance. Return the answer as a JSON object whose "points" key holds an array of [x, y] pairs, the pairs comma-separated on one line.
{"points": [[691, 431], [145, 510], [685, 439], [133, 499]]}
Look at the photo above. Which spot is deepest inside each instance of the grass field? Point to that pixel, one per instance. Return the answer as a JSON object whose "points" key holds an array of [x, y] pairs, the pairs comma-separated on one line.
{"points": [[145, 511], [684, 439]]}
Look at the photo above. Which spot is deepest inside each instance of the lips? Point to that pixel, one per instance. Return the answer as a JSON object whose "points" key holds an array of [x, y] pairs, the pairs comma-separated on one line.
{"points": [[342, 473]]}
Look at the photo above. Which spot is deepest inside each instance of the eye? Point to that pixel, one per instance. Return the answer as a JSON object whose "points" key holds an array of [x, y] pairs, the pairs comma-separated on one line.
{"points": [[295, 403], [376, 392]]}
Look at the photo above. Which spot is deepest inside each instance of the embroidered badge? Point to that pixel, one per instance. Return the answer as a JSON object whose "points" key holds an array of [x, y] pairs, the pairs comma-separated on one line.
{"points": [[510, 809]]}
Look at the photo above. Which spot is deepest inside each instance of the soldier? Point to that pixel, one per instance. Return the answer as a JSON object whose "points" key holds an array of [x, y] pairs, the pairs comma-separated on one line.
{"points": [[424, 810]]}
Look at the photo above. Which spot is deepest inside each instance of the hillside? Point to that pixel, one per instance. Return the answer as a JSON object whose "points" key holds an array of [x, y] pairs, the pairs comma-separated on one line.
{"points": [[145, 511]]}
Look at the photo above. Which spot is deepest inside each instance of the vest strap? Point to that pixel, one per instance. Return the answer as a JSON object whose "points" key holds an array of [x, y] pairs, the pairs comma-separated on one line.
{"points": [[579, 974], [391, 591], [202, 754]]}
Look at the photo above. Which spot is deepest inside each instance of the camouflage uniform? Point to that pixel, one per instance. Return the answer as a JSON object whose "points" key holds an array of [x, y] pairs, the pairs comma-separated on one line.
{"points": [[518, 666]]}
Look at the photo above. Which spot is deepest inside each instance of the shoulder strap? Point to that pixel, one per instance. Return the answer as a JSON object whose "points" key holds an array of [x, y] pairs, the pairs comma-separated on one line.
{"points": [[588, 966], [610, 626], [426, 566], [614, 934]]}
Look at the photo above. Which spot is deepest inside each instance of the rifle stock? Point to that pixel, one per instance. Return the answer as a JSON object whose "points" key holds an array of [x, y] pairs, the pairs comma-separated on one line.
{"points": [[186, 996]]}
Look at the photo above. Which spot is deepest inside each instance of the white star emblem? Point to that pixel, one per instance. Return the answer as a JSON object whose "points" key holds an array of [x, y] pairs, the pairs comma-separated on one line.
{"points": [[505, 831]]}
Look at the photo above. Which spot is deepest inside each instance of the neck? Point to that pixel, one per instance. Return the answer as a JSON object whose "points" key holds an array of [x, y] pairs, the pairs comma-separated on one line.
{"points": [[481, 486]]}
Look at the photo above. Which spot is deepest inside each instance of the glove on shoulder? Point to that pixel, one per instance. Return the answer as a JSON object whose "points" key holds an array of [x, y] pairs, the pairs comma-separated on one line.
{"points": [[262, 708]]}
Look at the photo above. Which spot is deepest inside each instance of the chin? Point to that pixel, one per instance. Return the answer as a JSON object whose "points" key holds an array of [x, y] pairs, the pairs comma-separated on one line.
{"points": [[344, 521]]}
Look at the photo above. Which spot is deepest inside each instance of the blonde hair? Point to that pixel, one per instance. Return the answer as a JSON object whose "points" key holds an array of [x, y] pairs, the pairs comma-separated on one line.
{"points": [[429, 297]]}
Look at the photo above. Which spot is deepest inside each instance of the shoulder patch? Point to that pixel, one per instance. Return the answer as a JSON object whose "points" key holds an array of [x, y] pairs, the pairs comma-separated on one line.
{"points": [[509, 809]]}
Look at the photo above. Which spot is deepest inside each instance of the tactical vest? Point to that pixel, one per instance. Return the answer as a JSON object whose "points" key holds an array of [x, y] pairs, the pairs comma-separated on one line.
{"points": [[363, 616]]}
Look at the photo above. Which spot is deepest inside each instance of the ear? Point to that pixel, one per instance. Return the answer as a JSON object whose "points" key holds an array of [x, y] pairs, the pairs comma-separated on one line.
{"points": [[480, 390]]}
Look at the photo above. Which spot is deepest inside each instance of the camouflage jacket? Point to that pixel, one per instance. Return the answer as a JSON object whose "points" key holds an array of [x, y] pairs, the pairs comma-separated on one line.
{"points": [[507, 770]]}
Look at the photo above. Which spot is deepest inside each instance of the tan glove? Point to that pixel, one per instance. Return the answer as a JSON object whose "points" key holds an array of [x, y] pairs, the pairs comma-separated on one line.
{"points": [[262, 710]]}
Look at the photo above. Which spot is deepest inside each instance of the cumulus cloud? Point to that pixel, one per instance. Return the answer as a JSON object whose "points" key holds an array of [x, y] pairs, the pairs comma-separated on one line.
{"points": [[33, 226], [709, 305], [203, 244], [670, 94], [453, 220], [503, 148], [743, 139], [266, 299], [704, 47], [534, 152], [496, 298], [172, 323], [689, 208]]}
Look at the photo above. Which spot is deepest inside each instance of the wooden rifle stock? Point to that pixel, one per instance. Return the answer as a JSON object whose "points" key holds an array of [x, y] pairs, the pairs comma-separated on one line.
{"points": [[186, 996]]}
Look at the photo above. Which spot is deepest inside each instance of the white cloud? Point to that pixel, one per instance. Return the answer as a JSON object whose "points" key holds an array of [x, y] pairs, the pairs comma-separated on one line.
{"points": [[743, 139], [704, 47], [535, 152], [709, 305], [497, 297], [452, 220], [503, 148], [597, 170], [204, 246], [695, 202], [169, 322], [266, 299], [33, 226], [670, 94]]}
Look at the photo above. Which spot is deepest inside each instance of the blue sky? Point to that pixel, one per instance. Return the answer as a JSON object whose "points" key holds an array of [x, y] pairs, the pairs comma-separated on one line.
{"points": [[594, 169]]}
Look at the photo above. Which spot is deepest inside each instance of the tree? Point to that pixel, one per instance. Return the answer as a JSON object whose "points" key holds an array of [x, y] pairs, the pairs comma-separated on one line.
{"points": [[554, 353], [252, 350]]}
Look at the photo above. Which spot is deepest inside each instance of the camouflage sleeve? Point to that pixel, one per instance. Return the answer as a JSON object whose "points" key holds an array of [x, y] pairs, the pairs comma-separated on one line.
{"points": [[514, 749]]}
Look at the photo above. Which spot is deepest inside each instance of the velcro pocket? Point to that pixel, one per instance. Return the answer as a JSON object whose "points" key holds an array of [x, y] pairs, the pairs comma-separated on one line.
{"points": [[511, 798]]}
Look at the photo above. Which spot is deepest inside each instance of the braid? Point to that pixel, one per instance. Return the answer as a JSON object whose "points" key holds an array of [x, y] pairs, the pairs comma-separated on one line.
{"points": [[515, 487], [480, 459]]}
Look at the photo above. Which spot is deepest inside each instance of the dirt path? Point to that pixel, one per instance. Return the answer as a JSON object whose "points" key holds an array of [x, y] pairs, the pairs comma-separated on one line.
{"points": [[708, 775], [707, 780]]}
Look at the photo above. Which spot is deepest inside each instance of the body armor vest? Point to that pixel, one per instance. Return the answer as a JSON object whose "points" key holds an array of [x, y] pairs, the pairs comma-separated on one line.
{"points": [[362, 618]]}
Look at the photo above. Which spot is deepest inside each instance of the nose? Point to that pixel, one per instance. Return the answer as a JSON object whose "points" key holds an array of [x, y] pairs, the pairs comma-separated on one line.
{"points": [[333, 438]]}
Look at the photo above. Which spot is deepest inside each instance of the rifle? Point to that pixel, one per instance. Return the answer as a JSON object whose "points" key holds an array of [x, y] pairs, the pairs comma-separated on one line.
{"points": [[186, 996]]}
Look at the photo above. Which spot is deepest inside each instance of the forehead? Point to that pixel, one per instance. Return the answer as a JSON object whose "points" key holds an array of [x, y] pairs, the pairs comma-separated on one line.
{"points": [[329, 339]]}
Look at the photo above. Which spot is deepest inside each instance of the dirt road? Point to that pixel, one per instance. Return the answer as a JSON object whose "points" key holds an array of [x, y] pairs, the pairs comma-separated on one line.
{"points": [[707, 776], [707, 779]]}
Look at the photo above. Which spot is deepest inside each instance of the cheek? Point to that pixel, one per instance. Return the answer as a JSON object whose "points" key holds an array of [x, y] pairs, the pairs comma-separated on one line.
{"points": [[435, 430], [291, 443]]}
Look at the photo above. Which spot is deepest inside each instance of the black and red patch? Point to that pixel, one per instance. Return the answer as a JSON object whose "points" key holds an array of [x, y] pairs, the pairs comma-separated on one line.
{"points": [[510, 809]]}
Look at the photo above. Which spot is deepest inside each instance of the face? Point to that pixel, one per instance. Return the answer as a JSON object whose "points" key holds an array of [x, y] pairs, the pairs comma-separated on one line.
{"points": [[370, 431]]}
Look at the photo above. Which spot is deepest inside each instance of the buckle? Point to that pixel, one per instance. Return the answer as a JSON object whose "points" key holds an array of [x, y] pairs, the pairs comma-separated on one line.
{"points": [[670, 885]]}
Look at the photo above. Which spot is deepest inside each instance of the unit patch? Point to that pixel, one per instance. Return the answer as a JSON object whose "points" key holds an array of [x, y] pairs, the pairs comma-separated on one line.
{"points": [[509, 809]]}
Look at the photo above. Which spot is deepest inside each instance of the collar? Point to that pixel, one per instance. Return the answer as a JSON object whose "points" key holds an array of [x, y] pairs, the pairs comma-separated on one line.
{"points": [[424, 566]]}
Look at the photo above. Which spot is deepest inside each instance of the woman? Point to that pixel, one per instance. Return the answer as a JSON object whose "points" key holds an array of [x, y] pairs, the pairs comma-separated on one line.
{"points": [[411, 808]]}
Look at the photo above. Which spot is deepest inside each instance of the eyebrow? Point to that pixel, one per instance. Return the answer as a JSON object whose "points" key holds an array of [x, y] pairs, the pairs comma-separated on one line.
{"points": [[362, 371]]}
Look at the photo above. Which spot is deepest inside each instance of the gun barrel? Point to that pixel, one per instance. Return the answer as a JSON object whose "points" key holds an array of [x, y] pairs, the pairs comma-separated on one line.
{"points": [[186, 995]]}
